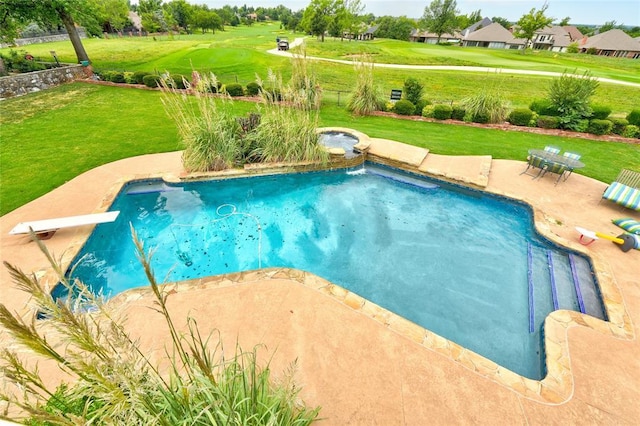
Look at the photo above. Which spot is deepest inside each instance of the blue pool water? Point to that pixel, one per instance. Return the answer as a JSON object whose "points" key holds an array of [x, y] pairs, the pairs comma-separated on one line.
{"points": [[453, 260]]}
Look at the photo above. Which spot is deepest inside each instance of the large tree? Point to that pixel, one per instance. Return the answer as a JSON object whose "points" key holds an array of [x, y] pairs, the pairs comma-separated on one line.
{"points": [[531, 22], [318, 16], [440, 17], [16, 13]]}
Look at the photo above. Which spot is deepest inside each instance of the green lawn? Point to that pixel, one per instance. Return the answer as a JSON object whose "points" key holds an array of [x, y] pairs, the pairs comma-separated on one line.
{"points": [[239, 53], [50, 137]]}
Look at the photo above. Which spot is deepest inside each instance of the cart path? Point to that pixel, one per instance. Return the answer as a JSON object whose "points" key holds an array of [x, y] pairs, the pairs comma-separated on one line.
{"points": [[299, 41]]}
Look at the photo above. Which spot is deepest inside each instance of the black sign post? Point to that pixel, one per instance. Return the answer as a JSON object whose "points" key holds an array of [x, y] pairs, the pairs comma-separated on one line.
{"points": [[396, 95]]}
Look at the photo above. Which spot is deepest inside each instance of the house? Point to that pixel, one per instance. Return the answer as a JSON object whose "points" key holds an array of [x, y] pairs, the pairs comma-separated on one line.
{"points": [[614, 42], [478, 25], [553, 38], [494, 36], [432, 38], [366, 33], [574, 34]]}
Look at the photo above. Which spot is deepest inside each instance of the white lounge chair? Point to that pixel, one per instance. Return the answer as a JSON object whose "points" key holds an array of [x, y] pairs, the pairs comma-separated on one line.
{"points": [[46, 228]]}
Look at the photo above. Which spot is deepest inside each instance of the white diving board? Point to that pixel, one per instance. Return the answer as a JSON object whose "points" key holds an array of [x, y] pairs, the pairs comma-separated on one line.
{"points": [[47, 227]]}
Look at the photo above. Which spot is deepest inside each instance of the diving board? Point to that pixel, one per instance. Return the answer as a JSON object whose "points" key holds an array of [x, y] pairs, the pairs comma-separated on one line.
{"points": [[46, 228]]}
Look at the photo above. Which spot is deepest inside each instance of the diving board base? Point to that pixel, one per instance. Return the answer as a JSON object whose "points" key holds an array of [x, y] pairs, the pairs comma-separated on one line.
{"points": [[44, 229]]}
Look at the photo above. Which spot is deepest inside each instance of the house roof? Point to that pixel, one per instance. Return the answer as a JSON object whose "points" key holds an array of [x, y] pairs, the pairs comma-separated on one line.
{"points": [[561, 38], [574, 33], [372, 30], [426, 34], [485, 22], [612, 40], [494, 32]]}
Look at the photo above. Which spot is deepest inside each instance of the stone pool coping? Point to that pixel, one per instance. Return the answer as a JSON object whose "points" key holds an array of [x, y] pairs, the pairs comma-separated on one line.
{"points": [[557, 387]]}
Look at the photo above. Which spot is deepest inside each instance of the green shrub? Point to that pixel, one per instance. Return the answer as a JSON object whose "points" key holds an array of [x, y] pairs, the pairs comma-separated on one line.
{"points": [[570, 94], [234, 89], [534, 120], [548, 122], [618, 125], [420, 105], [458, 112], [404, 107], [573, 48], [486, 105], [128, 78], [634, 117], [481, 117], [442, 112], [544, 107], [152, 80], [427, 111], [631, 131], [253, 89], [105, 75], [413, 90], [117, 77], [178, 81], [18, 62], [600, 127], [520, 117], [600, 112], [592, 51], [581, 125], [139, 75]]}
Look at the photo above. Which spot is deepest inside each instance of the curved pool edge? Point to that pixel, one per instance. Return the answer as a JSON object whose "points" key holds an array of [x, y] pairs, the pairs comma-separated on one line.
{"points": [[555, 388]]}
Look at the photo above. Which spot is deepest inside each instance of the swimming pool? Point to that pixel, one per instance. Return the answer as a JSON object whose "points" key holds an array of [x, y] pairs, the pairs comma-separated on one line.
{"points": [[459, 262]]}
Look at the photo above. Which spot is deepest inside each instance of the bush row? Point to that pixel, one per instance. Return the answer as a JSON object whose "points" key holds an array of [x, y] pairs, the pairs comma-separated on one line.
{"points": [[539, 114], [178, 81]]}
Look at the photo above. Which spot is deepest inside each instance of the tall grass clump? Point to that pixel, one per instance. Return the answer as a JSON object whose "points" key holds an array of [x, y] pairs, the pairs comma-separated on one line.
{"points": [[366, 97], [488, 106], [287, 129], [304, 86], [205, 124], [112, 381]]}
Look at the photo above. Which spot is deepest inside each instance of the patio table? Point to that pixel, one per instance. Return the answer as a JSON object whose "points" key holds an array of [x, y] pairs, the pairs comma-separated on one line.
{"points": [[560, 161]]}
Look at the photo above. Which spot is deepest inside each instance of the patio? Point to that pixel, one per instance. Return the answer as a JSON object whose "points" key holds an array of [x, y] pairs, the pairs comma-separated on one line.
{"points": [[360, 369]]}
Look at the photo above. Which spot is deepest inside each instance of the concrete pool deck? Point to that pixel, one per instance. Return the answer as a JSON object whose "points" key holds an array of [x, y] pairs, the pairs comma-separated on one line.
{"points": [[374, 370]]}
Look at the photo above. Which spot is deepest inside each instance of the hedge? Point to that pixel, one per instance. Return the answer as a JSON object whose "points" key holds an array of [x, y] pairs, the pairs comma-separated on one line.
{"points": [[420, 106], [548, 122], [234, 89], [634, 117], [178, 81], [404, 107], [544, 107], [600, 127], [151, 80], [139, 75], [458, 112], [427, 111], [520, 117], [442, 112], [631, 131], [619, 125], [253, 89], [600, 112], [117, 77], [482, 118]]}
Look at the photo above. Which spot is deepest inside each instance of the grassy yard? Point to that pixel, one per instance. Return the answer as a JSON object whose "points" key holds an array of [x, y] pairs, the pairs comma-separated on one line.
{"points": [[239, 53], [50, 137]]}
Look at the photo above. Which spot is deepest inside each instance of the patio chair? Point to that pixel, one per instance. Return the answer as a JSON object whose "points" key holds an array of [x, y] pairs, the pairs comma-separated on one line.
{"points": [[625, 190], [535, 162], [556, 168], [552, 149], [572, 156]]}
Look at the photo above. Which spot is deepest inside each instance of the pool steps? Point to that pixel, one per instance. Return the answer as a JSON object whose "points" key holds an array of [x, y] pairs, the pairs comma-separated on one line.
{"points": [[573, 285]]}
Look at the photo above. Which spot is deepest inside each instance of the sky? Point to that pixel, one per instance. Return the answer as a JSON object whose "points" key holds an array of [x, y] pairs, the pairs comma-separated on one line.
{"points": [[581, 12]]}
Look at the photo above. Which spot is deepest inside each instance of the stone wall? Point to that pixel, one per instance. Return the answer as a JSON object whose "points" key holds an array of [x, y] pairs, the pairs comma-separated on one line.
{"points": [[21, 84], [43, 39]]}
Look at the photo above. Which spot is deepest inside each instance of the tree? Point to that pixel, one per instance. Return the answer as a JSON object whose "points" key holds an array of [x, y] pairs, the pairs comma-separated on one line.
{"points": [[318, 15], [440, 17], [397, 28], [110, 16], [609, 25], [502, 21], [464, 21], [15, 13], [182, 13], [531, 22], [565, 22]]}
